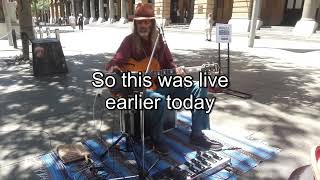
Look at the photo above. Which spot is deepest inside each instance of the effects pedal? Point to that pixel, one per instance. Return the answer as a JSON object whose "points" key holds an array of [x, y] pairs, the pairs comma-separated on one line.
{"points": [[203, 164]]}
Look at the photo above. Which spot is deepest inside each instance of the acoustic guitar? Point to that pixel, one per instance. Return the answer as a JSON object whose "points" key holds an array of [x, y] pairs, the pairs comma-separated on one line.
{"points": [[133, 65]]}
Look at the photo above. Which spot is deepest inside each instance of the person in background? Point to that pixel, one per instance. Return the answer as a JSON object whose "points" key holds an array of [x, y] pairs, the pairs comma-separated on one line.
{"points": [[186, 17], [72, 21], [208, 28], [80, 22], [178, 15]]}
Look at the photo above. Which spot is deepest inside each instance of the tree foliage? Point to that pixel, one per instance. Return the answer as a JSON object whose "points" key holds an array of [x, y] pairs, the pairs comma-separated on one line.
{"points": [[40, 5]]}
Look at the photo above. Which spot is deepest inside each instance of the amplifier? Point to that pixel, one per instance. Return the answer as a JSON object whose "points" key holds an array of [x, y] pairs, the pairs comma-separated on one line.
{"points": [[204, 164], [48, 57]]}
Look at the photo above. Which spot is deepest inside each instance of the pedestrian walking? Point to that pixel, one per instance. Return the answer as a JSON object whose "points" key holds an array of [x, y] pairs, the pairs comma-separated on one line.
{"points": [[178, 15], [208, 28], [80, 22], [72, 21]]}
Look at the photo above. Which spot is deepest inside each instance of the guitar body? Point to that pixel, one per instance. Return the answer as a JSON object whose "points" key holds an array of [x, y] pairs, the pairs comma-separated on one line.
{"points": [[141, 66]]}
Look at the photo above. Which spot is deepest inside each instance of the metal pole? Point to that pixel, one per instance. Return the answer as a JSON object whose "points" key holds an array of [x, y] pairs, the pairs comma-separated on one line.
{"points": [[14, 39], [219, 59], [254, 18], [57, 34], [228, 61], [48, 32], [41, 33]]}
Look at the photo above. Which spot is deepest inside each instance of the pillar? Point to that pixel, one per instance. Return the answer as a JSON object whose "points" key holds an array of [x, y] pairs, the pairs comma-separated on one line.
{"points": [[85, 12], [260, 21], [307, 25], [202, 8], [51, 12], [56, 11], [162, 11], [92, 12], [72, 8], [77, 7], [124, 5], [241, 15], [62, 12], [101, 12], [111, 11], [68, 13]]}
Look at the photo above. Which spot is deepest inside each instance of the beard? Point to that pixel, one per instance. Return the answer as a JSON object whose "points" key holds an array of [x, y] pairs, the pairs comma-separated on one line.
{"points": [[144, 32]]}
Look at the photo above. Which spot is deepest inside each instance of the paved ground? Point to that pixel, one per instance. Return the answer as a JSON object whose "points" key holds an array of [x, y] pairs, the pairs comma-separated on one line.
{"points": [[282, 75]]}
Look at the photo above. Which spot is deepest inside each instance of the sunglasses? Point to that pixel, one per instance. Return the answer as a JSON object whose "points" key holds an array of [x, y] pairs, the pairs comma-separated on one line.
{"points": [[146, 22]]}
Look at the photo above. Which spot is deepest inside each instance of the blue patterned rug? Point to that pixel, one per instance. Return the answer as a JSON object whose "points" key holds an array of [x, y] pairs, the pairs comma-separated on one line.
{"points": [[247, 155]]}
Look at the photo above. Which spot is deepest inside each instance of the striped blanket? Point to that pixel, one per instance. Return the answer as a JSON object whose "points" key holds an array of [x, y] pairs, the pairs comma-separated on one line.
{"points": [[247, 155]]}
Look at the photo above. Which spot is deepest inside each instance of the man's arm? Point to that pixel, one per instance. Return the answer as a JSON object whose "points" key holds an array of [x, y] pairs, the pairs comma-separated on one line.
{"points": [[121, 56]]}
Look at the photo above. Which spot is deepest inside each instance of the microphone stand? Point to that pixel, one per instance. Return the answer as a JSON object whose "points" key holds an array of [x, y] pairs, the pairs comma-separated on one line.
{"points": [[142, 173], [142, 93]]}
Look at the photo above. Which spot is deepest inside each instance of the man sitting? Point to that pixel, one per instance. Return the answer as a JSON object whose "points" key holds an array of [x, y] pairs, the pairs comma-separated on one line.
{"points": [[138, 45]]}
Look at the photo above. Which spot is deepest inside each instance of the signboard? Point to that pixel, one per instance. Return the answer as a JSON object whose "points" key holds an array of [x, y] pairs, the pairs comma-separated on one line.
{"points": [[223, 33]]}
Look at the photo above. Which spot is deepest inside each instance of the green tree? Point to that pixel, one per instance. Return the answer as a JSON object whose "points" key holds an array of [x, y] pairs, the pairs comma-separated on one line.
{"points": [[39, 6]]}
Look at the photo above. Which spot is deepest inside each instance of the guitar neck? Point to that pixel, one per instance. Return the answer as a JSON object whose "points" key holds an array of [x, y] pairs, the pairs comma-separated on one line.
{"points": [[173, 71], [192, 69]]}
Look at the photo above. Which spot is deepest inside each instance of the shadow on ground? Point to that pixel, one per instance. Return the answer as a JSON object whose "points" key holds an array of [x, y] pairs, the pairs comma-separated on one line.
{"points": [[62, 106]]}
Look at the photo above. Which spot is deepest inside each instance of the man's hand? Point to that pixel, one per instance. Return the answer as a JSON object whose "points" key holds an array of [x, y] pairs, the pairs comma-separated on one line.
{"points": [[180, 71]]}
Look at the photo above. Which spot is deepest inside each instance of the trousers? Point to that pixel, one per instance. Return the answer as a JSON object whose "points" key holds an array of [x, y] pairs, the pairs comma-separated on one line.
{"points": [[155, 118]]}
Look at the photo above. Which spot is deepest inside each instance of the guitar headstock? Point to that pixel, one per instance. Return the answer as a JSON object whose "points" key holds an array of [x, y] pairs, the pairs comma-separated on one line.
{"points": [[210, 67]]}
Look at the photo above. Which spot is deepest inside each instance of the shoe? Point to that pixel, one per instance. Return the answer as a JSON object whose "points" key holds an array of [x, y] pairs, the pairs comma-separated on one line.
{"points": [[161, 148], [204, 142], [209, 39]]}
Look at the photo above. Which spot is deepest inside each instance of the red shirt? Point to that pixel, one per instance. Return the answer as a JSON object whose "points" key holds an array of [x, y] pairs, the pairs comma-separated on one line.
{"points": [[127, 50]]}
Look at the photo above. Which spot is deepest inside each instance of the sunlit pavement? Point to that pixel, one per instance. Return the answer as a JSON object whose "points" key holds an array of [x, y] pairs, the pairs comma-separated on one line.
{"points": [[282, 75]]}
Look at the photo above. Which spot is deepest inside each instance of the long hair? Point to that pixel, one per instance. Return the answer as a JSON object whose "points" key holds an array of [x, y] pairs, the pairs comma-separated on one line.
{"points": [[152, 37]]}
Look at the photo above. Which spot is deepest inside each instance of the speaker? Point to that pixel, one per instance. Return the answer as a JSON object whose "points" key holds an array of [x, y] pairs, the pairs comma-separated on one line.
{"points": [[48, 57]]}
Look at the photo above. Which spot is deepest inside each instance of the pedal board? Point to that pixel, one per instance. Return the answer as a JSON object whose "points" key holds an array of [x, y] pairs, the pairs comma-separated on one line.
{"points": [[204, 164]]}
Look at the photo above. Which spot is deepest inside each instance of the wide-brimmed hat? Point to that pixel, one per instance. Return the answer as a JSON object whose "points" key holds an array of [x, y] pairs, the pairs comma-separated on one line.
{"points": [[144, 11]]}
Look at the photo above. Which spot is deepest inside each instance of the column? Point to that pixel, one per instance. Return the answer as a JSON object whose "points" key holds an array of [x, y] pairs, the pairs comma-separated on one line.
{"points": [[51, 12], [72, 8], [111, 11], [101, 12], [85, 12], [56, 11], [260, 21], [92, 12], [307, 24], [77, 7], [62, 12], [162, 12], [241, 15], [201, 10], [67, 7], [124, 5]]}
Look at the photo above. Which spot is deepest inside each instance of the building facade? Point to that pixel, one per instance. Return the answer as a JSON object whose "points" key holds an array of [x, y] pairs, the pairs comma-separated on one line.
{"points": [[304, 15], [298, 13]]}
